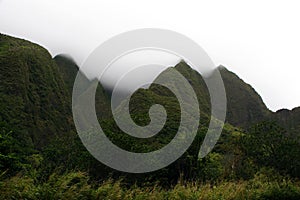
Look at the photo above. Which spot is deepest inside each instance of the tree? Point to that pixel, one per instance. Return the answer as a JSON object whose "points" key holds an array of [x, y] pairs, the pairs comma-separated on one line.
{"points": [[269, 145]]}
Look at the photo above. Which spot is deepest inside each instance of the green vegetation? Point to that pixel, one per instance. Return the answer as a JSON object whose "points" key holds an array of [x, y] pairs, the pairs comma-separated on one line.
{"points": [[41, 156], [244, 106], [76, 185], [33, 97]]}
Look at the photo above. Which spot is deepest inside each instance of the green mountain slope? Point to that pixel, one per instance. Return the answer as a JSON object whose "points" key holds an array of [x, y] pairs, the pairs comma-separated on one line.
{"points": [[33, 97], [34, 85], [244, 105], [290, 119], [198, 84], [69, 69], [36, 94]]}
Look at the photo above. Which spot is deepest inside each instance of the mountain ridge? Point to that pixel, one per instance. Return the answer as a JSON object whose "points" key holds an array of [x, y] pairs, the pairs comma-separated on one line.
{"points": [[245, 106]]}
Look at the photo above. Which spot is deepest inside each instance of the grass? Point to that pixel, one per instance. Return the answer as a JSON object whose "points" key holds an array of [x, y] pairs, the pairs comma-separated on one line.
{"points": [[76, 185]]}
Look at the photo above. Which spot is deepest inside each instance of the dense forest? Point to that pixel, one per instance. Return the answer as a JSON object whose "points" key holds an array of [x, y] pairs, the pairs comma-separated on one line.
{"points": [[42, 157]]}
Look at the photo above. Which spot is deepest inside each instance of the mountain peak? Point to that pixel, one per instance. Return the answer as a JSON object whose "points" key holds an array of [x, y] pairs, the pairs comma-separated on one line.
{"points": [[67, 59], [222, 67]]}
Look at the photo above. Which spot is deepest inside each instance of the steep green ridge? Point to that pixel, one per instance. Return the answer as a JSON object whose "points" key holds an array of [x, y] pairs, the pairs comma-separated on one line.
{"points": [[290, 119], [33, 79], [244, 105], [140, 103], [198, 84], [69, 69], [33, 97]]}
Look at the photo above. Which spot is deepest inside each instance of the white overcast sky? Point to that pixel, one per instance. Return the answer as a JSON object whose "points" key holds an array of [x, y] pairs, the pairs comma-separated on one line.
{"points": [[259, 40]]}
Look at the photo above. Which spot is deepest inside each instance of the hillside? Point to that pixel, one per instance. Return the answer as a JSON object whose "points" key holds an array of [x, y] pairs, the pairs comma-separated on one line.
{"points": [[68, 70], [290, 119], [244, 105], [33, 96]]}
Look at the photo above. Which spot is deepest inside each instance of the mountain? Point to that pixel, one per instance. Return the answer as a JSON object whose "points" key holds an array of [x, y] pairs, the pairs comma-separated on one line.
{"points": [[197, 83], [244, 105], [36, 90], [39, 147], [69, 69], [290, 119], [36, 114], [33, 97]]}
